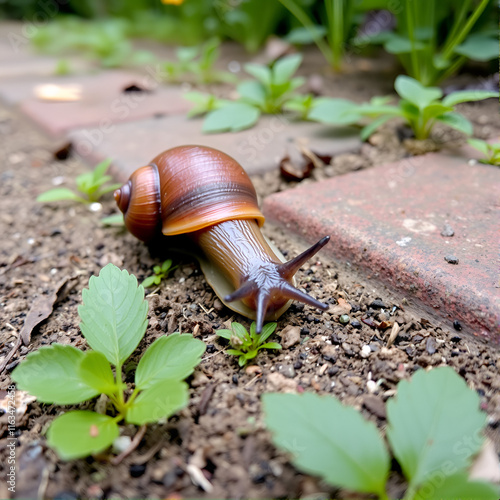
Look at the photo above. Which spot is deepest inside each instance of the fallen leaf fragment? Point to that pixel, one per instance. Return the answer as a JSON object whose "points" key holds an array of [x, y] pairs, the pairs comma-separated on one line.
{"points": [[393, 335]]}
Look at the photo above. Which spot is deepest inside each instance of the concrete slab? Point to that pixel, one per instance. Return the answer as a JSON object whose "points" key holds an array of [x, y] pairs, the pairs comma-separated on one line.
{"points": [[387, 222], [258, 149], [103, 102]]}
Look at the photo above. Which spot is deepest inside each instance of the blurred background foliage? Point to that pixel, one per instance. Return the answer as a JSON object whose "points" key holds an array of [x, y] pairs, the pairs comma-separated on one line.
{"points": [[432, 39]]}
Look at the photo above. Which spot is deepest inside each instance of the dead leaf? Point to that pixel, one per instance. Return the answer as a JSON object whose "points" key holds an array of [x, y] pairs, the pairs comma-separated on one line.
{"points": [[393, 335], [40, 310], [19, 400]]}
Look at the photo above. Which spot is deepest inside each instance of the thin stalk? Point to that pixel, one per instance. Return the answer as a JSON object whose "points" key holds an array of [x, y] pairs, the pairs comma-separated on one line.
{"points": [[335, 15], [132, 397], [451, 69], [459, 21], [465, 30], [118, 381], [411, 35], [304, 19]]}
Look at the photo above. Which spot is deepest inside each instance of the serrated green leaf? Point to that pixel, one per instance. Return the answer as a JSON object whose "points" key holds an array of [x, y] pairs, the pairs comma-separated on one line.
{"points": [[457, 486], [413, 91], [113, 314], [260, 72], [467, 96], [77, 434], [95, 369], [59, 194], [328, 439], [173, 357], [52, 375], [159, 401], [284, 68], [231, 118], [434, 419], [457, 121]]}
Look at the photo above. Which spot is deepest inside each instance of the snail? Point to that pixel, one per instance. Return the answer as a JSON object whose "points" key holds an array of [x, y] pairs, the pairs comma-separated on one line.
{"points": [[206, 196]]}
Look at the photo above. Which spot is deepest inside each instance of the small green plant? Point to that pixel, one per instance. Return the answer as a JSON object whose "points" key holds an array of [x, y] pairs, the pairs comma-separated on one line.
{"points": [[247, 345], [114, 320], [92, 185], [491, 152], [339, 20], [434, 39], [196, 64], [420, 107], [160, 273], [104, 41], [269, 93], [434, 430]]}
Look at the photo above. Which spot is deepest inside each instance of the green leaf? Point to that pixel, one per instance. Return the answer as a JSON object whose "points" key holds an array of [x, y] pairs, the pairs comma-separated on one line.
{"points": [[480, 145], [159, 401], [260, 72], [96, 371], [149, 281], [239, 330], [335, 111], [467, 96], [59, 194], [77, 434], [396, 44], [479, 47], [100, 170], [52, 375], [435, 110], [303, 35], [252, 92], [457, 121], [328, 439], [226, 334], [231, 118], [367, 131], [284, 68], [113, 220], [166, 265], [434, 419], [413, 91], [456, 486], [271, 345], [267, 330], [113, 314], [171, 357]]}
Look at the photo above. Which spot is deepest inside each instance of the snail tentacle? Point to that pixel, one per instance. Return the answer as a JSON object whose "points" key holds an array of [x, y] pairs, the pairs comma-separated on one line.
{"points": [[288, 269]]}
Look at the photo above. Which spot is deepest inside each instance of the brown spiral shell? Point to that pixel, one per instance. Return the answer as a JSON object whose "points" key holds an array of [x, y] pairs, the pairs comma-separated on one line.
{"points": [[197, 187]]}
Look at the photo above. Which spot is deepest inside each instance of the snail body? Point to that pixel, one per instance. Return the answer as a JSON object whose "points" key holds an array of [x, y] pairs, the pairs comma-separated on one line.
{"points": [[205, 195]]}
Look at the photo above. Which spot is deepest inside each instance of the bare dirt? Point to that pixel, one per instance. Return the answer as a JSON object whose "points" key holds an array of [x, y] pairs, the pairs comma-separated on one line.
{"points": [[222, 429]]}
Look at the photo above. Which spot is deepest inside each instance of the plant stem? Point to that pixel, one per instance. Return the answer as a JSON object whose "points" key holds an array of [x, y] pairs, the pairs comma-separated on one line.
{"points": [[411, 35], [118, 382]]}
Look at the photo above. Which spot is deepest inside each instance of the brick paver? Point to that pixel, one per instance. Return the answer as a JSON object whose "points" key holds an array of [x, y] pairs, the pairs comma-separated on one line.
{"points": [[258, 149], [387, 222]]}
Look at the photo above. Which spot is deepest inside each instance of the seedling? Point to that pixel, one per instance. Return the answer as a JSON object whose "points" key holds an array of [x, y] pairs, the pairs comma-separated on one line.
{"points": [[114, 320], [91, 186], [420, 107], [197, 64], [491, 152], [434, 430], [160, 273], [247, 345], [268, 93]]}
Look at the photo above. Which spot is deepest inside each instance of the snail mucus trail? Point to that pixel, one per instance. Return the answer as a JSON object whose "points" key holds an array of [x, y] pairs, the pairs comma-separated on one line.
{"points": [[205, 195]]}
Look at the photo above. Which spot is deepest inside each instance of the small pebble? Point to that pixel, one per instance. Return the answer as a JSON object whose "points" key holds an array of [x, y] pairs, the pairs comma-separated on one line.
{"points": [[121, 443], [447, 231], [365, 351], [95, 207], [287, 371], [356, 324], [137, 470], [430, 345], [378, 304], [344, 319], [457, 325], [451, 259]]}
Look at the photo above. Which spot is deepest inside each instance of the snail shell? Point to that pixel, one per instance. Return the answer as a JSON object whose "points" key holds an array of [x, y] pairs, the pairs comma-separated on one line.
{"points": [[206, 195]]}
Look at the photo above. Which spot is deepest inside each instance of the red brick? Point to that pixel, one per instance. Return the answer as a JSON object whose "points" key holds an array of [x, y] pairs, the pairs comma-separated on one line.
{"points": [[386, 222]]}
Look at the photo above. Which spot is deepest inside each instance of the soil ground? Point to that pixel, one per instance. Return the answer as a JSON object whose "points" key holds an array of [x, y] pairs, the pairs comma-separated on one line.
{"points": [[222, 428]]}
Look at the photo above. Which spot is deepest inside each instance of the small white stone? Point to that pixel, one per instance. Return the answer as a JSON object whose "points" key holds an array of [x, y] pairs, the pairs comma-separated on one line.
{"points": [[182, 280], [31, 241], [121, 443], [95, 207], [53, 271], [234, 66], [57, 181], [365, 351], [371, 385]]}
